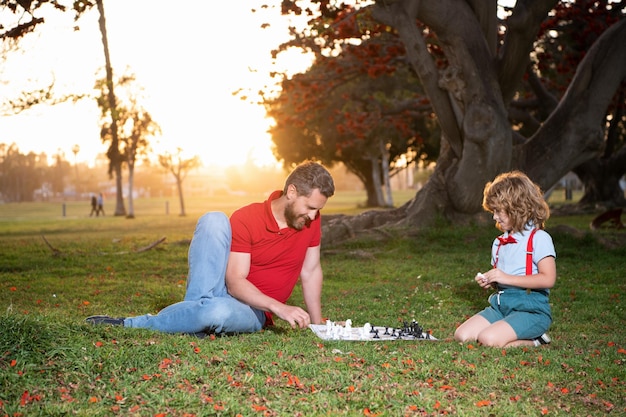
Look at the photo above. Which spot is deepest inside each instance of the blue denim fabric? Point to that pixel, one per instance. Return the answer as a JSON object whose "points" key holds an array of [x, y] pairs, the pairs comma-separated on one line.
{"points": [[528, 313], [207, 306]]}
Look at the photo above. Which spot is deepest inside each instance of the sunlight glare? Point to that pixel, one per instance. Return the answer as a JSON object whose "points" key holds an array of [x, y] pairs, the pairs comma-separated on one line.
{"points": [[188, 61]]}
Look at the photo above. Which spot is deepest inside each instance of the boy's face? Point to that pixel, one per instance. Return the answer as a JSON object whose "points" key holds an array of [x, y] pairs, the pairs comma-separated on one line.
{"points": [[502, 220]]}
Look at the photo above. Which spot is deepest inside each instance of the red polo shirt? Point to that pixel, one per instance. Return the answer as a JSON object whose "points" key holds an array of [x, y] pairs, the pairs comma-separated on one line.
{"points": [[277, 254]]}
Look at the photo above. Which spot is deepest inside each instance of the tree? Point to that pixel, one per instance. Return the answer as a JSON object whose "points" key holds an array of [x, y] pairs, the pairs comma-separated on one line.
{"points": [[26, 23], [141, 127], [471, 75], [14, 26], [135, 126], [179, 167], [113, 153], [563, 41], [359, 106], [21, 174]]}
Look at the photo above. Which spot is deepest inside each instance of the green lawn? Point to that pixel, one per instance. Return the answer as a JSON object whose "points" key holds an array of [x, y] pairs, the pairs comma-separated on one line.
{"points": [[53, 364]]}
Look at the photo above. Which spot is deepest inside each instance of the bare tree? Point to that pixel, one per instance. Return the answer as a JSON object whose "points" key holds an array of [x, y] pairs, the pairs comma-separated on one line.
{"points": [[179, 167], [135, 125]]}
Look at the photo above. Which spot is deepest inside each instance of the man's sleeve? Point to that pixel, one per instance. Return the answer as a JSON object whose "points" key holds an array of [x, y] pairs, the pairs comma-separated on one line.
{"points": [[242, 237]]}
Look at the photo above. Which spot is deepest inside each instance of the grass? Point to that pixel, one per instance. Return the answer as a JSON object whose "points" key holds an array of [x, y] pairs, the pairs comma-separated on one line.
{"points": [[53, 364]]}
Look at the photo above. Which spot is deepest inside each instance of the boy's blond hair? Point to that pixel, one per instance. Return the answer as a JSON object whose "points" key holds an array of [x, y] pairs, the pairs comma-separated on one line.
{"points": [[520, 198]]}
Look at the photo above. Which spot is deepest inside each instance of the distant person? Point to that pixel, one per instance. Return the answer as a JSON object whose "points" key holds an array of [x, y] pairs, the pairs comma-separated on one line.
{"points": [[524, 268], [94, 205], [100, 205], [243, 271]]}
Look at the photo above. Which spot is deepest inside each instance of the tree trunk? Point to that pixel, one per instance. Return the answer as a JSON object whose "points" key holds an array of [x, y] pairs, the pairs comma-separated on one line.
{"points": [[371, 192], [376, 183], [465, 96], [600, 178], [384, 164], [131, 177], [572, 134], [179, 185], [115, 159]]}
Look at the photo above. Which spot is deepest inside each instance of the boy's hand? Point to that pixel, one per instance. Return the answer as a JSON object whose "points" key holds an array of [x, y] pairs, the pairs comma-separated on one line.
{"points": [[482, 280]]}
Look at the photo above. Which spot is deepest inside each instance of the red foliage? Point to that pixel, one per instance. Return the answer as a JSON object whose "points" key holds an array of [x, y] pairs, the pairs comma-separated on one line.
{"points": [[567, 34]]}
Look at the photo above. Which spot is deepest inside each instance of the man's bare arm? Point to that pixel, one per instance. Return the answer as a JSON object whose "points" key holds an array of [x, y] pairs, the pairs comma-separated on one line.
{"points": [[239, 287], [311, 277]]}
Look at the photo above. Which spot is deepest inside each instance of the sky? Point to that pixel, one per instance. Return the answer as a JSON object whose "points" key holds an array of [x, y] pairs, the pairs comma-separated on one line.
{"points": [[188, 57]]}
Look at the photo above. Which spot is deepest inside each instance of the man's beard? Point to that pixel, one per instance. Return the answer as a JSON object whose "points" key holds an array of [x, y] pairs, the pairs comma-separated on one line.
{"points": [[293, 220]]}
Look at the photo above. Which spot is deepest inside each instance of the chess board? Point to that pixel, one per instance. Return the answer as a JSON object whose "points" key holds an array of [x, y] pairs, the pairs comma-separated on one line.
{"points": [[368, 332]]}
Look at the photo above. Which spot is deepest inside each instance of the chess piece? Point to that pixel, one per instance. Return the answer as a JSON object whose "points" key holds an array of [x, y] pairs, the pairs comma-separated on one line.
{"points": [[347, 330]]}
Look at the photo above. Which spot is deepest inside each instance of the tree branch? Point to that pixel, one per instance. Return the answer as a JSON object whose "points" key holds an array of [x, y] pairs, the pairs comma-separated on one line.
{"points": [[54, 250], [486, 13], [522, 28], [401, 15], [150, 246], [578, 118]]}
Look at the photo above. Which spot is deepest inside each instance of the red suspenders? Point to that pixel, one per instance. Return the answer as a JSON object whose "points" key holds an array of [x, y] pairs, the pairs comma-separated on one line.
{"points": [[529, 260], [529, 253]]}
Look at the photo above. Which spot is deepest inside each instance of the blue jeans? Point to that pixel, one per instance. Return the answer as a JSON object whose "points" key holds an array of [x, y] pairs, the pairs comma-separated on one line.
{"points": [[207, 306]]}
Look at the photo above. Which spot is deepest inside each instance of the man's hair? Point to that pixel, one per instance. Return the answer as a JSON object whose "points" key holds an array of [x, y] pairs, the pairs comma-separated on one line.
{"points": [[309, 176], [520, 198]]}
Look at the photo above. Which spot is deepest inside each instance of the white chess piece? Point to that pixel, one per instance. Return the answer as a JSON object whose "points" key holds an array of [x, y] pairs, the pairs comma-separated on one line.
{"points": [[365, 331], [347, 330]]}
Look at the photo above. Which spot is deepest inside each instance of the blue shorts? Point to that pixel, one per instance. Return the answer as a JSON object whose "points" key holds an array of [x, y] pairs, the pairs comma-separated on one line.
{"points": [[528, 313]]}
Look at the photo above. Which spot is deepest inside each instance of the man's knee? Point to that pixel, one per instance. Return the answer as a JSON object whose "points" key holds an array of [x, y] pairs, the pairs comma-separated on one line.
{"points": [[215, 223], [214, 219]]}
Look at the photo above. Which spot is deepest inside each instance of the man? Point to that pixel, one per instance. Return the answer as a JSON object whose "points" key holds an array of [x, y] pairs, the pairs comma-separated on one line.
{"points": [[242, 272]]}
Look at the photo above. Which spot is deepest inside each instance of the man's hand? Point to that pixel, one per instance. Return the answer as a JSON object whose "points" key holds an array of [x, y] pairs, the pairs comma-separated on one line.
{"points": [[295, 316]]}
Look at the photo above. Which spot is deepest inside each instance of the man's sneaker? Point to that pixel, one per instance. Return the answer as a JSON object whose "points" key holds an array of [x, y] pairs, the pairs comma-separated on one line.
{"points": [[113, 321], [544, 339]]}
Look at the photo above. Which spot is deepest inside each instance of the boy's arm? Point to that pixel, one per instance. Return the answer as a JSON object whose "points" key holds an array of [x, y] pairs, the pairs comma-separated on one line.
{"points": [[545, 278]]}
